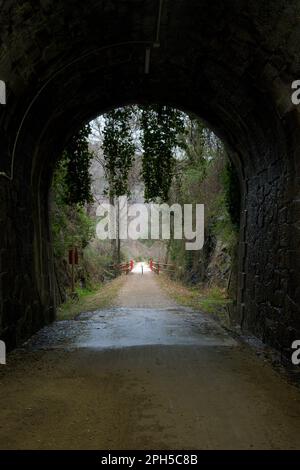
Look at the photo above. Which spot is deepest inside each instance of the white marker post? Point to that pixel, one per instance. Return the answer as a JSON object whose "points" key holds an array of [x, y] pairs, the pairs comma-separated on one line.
{"points": [[2, 92]]}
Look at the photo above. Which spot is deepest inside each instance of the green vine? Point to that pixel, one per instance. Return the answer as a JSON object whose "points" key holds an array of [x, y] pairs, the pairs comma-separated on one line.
{"points": [[77, 158], [118, 150], [161, 126]]}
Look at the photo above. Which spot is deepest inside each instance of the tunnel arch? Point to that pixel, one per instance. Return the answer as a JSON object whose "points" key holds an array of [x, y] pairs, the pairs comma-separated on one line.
{"points": [[231, 65]]}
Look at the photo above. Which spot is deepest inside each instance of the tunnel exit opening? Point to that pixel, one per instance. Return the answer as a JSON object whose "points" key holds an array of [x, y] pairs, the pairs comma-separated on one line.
{"points": [[197, 178]]}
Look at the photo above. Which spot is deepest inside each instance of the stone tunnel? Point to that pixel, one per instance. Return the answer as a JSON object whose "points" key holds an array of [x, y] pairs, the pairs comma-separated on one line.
{"points": [[231, 63]]}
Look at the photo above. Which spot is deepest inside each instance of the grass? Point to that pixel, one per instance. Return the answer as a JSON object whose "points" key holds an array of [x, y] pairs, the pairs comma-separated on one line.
{"points": [[91, 299], [210, 300]]}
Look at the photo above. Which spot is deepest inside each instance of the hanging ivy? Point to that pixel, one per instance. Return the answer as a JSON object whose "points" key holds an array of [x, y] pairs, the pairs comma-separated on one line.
{"points": [[77, 158], [118, 150], [161, 126]]}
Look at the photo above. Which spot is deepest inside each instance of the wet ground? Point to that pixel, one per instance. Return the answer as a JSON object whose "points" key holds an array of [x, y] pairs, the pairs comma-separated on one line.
{"points": [[144, 374], [127, 327]]}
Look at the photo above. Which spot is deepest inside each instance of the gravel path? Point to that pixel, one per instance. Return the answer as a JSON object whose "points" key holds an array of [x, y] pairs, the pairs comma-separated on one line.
{"points": [[143, 291], [145, 374]]}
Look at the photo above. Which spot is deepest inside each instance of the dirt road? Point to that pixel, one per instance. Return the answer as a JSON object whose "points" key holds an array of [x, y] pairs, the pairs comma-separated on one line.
{"points": [[144, 374]]}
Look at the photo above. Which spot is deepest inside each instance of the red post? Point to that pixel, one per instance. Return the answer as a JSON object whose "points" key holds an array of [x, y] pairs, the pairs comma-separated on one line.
{"points": [[131, 264], [73, 255], [151, 264]]}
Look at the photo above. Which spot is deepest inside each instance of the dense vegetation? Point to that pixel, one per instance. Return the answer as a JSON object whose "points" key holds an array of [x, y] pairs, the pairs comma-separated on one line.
{"points": [[204, 174], [118, 150], [71, 224], [178, 160], [161, 127]]}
